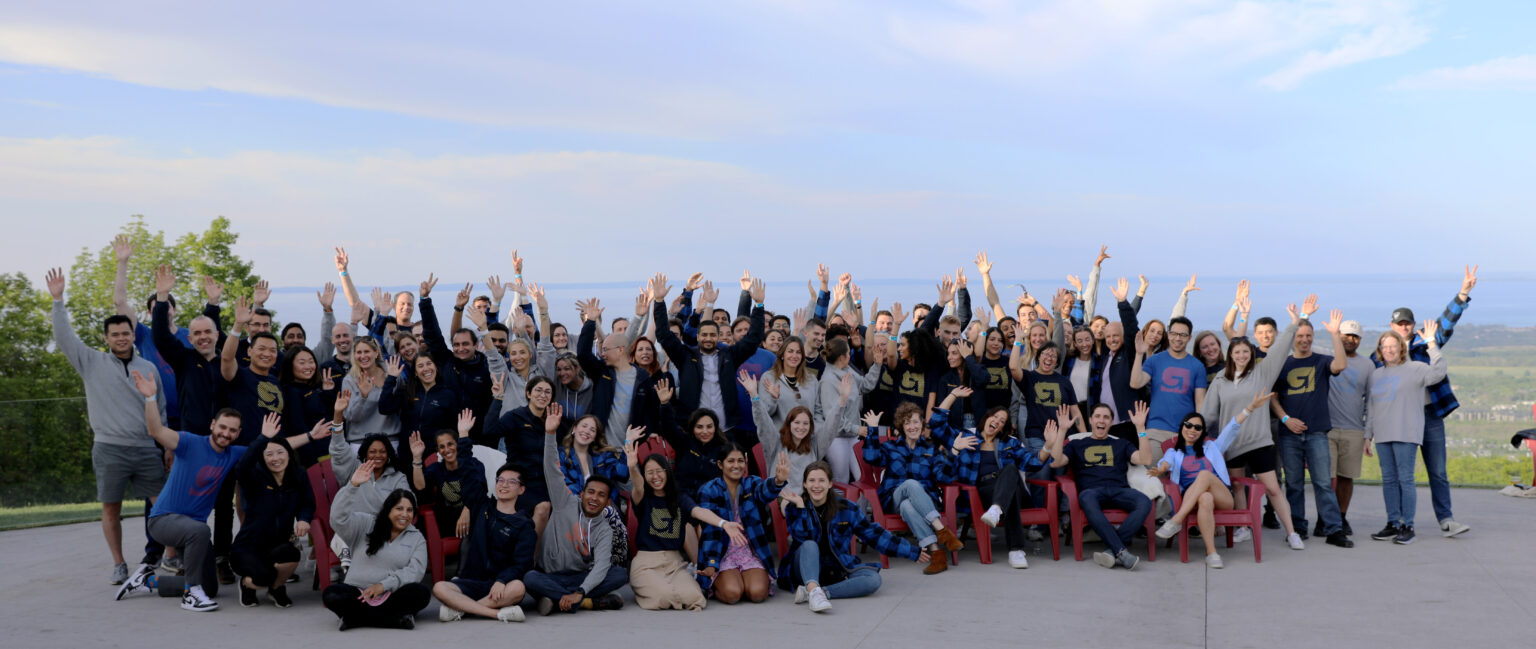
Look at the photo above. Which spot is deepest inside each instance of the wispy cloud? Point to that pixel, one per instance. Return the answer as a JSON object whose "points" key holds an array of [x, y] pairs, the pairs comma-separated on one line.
{"points": [[1506, 73]]}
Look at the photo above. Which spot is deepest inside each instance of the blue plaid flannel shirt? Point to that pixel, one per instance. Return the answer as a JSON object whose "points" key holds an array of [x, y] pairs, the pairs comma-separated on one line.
{"points": [[757, 495], [609, 464], [805, 527], [1009, 450], [929, 463], [1442, 401]]}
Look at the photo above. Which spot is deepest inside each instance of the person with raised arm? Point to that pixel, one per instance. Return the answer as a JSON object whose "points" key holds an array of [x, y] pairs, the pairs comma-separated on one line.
{"points": [[429, 399], [915, 465], [122, 451], [1115, 388], [822, 524], [499, 552], [1254, 452], [705, 373], [699, 443], [383, 587], [1175, 378], [1441, 400], [583, 552], [991, 459], [801, 436], [463, 367], [518, 432], [1396, 424], [914, 363], [740, 570], [1099, 463], [846, 428], [658, 574], [1302, 408], [252, 389], [621, 393], [1197, 466], [279, 506], [450, 481], [375, 450], [196, 368], [372, 378], [309, 395], [964, 371]]}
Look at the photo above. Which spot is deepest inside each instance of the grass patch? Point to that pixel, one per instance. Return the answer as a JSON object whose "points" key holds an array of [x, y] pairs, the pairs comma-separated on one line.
{"points": [[16, 518]]}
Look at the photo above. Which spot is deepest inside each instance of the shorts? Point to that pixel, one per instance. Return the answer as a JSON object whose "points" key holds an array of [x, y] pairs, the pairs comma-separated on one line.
{"points": [[474, 589], [1256, 461], [1347, 449], [118, 466], [1157, 437]]}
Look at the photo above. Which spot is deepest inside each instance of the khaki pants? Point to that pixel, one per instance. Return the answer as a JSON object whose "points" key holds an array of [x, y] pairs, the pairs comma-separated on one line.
{"points": [[661, 581], [1157, 437]]}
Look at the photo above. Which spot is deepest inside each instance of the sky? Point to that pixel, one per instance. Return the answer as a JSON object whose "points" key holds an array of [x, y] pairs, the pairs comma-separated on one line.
{"points": [[889, 139]]}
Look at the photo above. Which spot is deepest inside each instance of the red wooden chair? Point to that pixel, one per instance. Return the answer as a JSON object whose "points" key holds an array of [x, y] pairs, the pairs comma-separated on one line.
{"points": [[1114, 516], [780, 526], [869, 484], [322, 480], [1251, 517], [1036, 516], [439, 547]]}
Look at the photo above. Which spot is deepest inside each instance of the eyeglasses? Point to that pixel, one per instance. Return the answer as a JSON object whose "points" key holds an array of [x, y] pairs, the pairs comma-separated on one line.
{"points": [[511, 482], [1175, 334], [1194, 427]]}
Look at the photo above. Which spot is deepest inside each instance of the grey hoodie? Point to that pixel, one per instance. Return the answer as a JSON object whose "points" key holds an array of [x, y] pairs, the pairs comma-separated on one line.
{"points": [[848, 425], [1225, 399], [344, 463], [113, 404], [400, 562], [572, 540]]}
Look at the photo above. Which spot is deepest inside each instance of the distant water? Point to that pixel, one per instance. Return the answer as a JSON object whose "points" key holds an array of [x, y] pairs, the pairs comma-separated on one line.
{"points": [[1498, 299]]}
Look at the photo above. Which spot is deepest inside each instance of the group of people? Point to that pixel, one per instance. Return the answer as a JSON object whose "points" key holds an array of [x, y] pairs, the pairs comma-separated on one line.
{"points": [[660, 453]]}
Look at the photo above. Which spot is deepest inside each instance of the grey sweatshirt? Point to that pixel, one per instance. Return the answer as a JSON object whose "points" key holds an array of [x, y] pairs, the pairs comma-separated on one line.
{"points": [[572, 540], [1396, 394], [768, 434], [400, 562], [344, 463], [1225, 399], [113, 405], [810, 396], [848, 424], [515, 386], [363, 416]]}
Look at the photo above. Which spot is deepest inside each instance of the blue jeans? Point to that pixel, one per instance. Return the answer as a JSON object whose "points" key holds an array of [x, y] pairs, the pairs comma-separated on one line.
{"points": [[861, 581], [1309, 449], [555, 585], [916, 509], [1094, 501], [1433, 450], [1397, 460]]}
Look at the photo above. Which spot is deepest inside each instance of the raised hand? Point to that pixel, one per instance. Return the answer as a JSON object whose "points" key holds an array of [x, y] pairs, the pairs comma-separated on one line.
{"points": [[642, 301], [1291, 309], [1077, 283], [946, 289], [839, 292], [772, 388], [1139, 414], [802, 316], [633, 434], [747, 382], [659, 288], [1103, 254], [845, 280], [1309, 305], [359, 312], [260, 293], [497, 289], [1244, 305], [425, 290], [1141, 342], [823, 275], [1431, 327], [1260, 400], [759, 290], [466, 422], [1066, 414], [1121, 290], [381, 301], [165, 280], [517, 263], [326, 296], [1063, 302], [418, 447], [327, 381], [898, 316], [965, 347], [363, 474], [145, 385], [1335, 320], [321, 429], [1054, 434], [1190, 287], [242, 313], [341, 259], [983, 265], [537, 293], [477, 317], [55, 281], [982, 315], [1144, 284], [709, 294], [792, 497], [212, 289], [844, 389], [959, 278], [871, 418], [965, 443], [498, 385], [664, 390], [345, 398], [393, 366], [962, 391], [746, 280], [552, 416], [858, 295], [1242, 291], [781, 468], [461, 300], [1468, 281], [122, 248]]}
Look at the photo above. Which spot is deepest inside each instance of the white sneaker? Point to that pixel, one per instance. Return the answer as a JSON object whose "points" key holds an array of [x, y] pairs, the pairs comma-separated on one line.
{"points": [[800, 595], [819, 601], [196, 600], [1213, 561], [993, 516], [1169, 529], [1242, 535], [1295, 540], [1017, 559], [1452, 528], [138, 582], [512, 613], [1104, 559], [446, 613]]}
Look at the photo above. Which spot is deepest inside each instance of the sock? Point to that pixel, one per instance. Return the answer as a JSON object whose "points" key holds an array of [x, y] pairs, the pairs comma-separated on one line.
{"points": [[197, 591]]}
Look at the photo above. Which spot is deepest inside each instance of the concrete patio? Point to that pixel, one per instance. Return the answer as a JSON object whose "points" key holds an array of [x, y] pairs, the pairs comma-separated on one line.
{"points": [[1474, 591]]}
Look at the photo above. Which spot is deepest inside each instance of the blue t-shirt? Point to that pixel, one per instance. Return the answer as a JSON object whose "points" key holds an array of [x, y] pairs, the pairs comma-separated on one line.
{"points": [[195, 477], [1099, 463], [1191, 468], [1302, 389], [1173, 385], [144, 341]]}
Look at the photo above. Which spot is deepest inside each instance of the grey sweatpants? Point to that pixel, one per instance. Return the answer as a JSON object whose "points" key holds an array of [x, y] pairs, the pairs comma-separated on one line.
{"points": [[195, 542]]}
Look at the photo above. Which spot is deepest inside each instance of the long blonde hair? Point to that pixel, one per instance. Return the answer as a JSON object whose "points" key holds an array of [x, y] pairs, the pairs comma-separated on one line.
{"points": [[378, 359]]}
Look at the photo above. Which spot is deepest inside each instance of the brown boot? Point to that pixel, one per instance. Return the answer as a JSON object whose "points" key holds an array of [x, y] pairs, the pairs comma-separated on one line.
{"points": [[948, 540], [938, 561]]}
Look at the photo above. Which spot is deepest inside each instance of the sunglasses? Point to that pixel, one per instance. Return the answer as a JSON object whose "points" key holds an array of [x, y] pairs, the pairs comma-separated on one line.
{"points": [[1195, 427]]}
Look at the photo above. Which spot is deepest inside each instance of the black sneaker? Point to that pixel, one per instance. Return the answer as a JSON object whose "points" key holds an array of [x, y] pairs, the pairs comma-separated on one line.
{"points": [[1301, 528], [248, 597], [1404, 536], [347, 624], [1387, 533], [279, 597], [293, 578], [609, 602], [1270, 521], [1348, 531], [406, 622], [1340, 539], [1317, 530], [226, 574]]}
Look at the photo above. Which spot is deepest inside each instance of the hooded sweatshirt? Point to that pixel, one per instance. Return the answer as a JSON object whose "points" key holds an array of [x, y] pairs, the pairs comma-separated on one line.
{"points": [[573, 541], [399, 562]]}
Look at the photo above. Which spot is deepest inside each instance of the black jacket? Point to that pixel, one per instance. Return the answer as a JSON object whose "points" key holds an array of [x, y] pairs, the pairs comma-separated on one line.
{"points": [[471, 377], [643, 406], [1120, 363], [270, 509], [198, 379], [690, 364]]}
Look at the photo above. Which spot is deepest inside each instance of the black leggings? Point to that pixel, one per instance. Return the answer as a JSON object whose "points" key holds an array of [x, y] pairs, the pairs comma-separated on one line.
{"points": [[261, 564], [1006, 491], [342, 599]]}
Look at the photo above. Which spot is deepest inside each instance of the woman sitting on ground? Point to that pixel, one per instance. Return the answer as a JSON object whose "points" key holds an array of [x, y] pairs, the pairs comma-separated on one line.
{"points": [[822, 524], [738, 569], [659, 574], [383, 587]]}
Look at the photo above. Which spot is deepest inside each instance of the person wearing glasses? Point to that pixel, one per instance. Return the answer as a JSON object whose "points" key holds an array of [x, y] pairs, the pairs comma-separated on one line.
{"points": [[1176, 381], [499, 550]]}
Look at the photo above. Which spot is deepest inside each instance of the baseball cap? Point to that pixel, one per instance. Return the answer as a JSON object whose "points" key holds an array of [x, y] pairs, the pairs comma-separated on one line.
{"points": [[1350, 328], [1403, 314]]}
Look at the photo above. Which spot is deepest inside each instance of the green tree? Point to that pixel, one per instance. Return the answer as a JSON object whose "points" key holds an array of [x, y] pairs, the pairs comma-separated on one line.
{"points": [[29, 369]]}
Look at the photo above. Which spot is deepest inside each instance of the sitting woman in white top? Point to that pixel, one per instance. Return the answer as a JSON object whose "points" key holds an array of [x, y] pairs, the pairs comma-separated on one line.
{"points": [[1196, 465]]}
